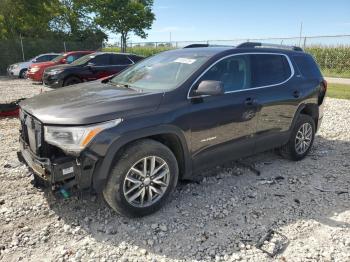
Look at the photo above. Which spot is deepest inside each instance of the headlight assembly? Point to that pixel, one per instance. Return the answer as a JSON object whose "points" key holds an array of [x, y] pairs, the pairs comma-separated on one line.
{"points": [[55, 72], [34, 69], [74, 139]]}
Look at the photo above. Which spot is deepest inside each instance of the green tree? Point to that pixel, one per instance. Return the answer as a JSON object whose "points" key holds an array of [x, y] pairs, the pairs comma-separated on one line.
{"points": [[124, 16]]}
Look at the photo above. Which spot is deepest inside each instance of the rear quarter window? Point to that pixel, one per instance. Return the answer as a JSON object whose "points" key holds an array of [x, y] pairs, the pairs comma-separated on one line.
{"points": [[269, 69], [307, 66]]}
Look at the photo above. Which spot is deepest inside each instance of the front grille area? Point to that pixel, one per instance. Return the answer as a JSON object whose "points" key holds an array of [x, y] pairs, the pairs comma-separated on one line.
{"points": [[31, 132]]}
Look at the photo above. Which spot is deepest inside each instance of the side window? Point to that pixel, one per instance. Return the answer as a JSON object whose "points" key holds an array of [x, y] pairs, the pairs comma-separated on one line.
{"points": [[120, 60], [135, 58], [42, 58], [233, 72], [100, 60], [50, 57], [269, 69], [70, 59], [307, 66]]}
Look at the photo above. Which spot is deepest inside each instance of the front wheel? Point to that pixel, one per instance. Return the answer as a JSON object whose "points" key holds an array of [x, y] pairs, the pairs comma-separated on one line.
{"points": [[142, 179], [301, 139], [23, 73], [72, 80]]}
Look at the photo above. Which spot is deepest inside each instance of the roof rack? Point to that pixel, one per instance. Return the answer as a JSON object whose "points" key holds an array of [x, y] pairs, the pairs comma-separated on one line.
{"points": [[196, 45], [258, 44]]}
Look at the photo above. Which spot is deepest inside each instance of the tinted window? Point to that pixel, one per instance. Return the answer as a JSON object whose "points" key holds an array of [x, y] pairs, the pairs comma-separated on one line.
{"points": [[42, 58], [269, 69], [307, 66], [135, 58], [100, 60], [50, 57], [232, 71], [120, 60]]}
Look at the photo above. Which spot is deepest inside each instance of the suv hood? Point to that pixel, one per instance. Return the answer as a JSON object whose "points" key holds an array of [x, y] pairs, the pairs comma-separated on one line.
{"points": [[89, 103], [63, 66]]}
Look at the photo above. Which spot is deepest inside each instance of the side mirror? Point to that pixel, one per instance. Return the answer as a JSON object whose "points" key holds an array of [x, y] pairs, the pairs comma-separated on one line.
{"points": [[64, 61], [210, 88], [34, 61]]}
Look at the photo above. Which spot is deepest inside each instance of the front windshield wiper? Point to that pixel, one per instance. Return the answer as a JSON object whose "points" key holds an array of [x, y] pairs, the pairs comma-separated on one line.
{"points": [[125, 86]]}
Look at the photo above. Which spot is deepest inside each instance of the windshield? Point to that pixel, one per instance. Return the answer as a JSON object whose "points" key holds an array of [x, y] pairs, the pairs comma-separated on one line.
{"points": [[164, 71], [83, 60], [58, 58]]}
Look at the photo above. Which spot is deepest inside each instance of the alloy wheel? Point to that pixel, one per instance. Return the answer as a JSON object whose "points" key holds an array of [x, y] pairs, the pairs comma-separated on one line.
{"points": [[303, 138], [146, 181]]}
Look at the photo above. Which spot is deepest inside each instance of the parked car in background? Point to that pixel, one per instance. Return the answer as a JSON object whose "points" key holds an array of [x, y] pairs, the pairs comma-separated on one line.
{"points": [[20, 69], [170, 117], [88, 68], [35, 71]]}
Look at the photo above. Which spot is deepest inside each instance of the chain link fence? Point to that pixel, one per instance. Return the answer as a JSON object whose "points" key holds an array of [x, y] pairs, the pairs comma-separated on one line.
{"points": [[302, 41], [22, 49], [332, 52]]}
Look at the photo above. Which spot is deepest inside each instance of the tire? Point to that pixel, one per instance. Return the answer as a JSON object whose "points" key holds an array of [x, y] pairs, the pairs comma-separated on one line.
{"points": [[118, 192], [72, 80], [291, 150], [22, 73]]}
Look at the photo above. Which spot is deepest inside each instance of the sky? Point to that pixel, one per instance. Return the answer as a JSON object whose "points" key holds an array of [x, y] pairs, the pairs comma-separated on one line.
{"points": [[230, 19]]}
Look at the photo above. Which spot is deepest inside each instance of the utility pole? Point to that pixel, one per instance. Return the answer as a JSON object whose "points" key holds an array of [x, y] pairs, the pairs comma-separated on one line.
{"points": [[301, 32], [20, 36]]}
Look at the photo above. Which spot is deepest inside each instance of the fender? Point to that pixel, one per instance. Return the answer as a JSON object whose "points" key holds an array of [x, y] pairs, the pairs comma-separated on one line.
{"points": [[298, 112], [101, 175]]}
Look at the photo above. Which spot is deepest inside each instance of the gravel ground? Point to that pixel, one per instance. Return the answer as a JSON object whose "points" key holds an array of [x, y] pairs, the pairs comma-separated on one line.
{"points": [[220, 218]]}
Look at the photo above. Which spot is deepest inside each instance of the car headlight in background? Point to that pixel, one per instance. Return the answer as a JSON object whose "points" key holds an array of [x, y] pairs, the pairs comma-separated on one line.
{"points": [[14, 66], [34, 69], [55, 72], [74, 139]]}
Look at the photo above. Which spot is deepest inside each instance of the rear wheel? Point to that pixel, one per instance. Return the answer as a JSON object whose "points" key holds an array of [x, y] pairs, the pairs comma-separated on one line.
{"points": [[301, 139], [72, 80], [142, 179]]}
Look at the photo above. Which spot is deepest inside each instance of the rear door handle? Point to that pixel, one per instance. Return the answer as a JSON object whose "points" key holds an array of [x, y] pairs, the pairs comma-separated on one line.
{"points": [[296, 94]]}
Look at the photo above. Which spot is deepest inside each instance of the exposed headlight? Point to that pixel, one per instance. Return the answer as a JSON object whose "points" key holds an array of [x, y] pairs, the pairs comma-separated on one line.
{"points": [[34, 69], [74, 139], [55, 72]]}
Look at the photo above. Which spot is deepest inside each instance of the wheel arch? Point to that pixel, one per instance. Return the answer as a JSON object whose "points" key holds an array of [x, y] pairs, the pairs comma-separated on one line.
{"points": [[169, 136], [70, 76], [309, 109]]}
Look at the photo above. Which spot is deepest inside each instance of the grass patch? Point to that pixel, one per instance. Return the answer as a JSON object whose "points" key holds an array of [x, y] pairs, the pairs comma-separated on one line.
{"points": [[336, 73], [338, 91]]}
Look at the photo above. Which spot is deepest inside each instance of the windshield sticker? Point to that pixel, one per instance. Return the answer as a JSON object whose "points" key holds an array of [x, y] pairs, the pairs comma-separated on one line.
{"points": [[185, 60]]}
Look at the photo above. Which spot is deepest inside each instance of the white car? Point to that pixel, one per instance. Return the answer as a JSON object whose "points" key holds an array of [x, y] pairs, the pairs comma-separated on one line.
{"points": [[20, 69]]}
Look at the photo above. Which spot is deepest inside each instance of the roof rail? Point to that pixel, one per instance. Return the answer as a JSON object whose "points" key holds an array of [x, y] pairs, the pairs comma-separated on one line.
{"points": [[196, 45], [258, 44]]}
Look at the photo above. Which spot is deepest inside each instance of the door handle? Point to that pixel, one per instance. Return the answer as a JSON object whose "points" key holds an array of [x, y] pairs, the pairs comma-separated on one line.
{"points": [[250, 101], [296, 94]]}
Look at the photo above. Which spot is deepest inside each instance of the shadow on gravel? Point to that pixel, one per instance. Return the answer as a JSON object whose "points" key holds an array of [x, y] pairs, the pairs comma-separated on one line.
{"points": [[234, 206]]}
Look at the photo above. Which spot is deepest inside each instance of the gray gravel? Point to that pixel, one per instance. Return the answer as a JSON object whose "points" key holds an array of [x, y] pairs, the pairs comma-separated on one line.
{"points": [[220, 218]]}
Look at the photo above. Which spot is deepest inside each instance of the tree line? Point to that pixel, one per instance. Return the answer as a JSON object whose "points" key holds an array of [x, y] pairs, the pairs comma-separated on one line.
{"points": [[75, 20]]}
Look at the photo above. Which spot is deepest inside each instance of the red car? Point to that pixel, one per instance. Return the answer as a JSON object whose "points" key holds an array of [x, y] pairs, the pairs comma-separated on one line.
{"points": [[35, 71]]}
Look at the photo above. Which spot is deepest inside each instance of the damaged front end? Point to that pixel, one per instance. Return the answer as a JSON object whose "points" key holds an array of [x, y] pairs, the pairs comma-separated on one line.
{"points": [[49, 163]]}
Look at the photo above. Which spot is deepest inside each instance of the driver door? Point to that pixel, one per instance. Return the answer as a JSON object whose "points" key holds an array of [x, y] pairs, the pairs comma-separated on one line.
{"points": [[224, 126]]}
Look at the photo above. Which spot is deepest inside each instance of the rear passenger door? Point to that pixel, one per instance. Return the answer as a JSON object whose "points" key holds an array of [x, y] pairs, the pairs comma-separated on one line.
{"points": [[276, 91]]}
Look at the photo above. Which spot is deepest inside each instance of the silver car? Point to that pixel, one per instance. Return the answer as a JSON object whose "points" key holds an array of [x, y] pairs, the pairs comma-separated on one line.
{"points": [[20, 69]]}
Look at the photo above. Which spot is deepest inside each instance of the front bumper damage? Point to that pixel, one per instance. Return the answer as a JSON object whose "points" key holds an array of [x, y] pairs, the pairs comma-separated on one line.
{"points": [[64, 171]]}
